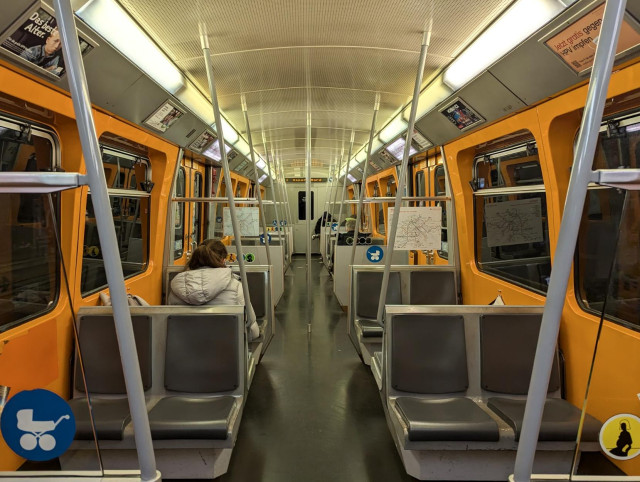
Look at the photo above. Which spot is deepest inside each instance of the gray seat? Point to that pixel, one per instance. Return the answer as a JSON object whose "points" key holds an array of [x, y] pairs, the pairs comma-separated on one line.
{"points": [[369, 284], [560, 419], [370, 329], [508, 347], [103, 374], [449, 419], [428, 354], [432, 288], [191, 418], [101, 355], [110, 417], [202, 353], [257, 290]]}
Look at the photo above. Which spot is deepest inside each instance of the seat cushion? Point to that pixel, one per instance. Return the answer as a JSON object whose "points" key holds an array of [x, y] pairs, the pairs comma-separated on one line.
{"points": [[191, 418], [110, 417], [448, 419], [370, 329], [559, 423]]}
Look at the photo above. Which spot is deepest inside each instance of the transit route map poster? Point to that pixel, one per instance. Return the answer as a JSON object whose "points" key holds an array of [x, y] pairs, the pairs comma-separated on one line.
{"points": [[419, 228], [513, 222], [248, 220], [37, 42], [576, 44]]}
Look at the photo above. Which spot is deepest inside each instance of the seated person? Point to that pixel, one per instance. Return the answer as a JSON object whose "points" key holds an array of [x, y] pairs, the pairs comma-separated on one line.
{"points": [[207, 280], [350, 226]]}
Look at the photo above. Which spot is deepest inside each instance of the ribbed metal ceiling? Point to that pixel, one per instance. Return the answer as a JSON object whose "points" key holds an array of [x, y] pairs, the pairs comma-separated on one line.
{"points": [[331, 55]]}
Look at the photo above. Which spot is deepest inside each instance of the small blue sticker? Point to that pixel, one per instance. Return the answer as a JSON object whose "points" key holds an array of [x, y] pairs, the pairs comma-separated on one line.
{"points": [[275, 222], [375, 254], [219, 219], [334, 227], [37, 425], [262, 238]]}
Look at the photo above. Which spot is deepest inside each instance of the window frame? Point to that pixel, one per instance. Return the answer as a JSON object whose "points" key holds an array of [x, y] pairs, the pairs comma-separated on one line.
{"points": [[124, 193], [39, 130], [623, 119], [483, 192]]}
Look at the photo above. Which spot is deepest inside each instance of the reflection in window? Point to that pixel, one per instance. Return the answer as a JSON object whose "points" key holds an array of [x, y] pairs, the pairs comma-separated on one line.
{"points": [[441, 190], [130, 217], [29, 261], [512, 232], [178, 226], [609, 215]]}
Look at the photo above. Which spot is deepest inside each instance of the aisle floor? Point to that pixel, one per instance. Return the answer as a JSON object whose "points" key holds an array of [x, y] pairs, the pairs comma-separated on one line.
{"points": [[313, 412]]}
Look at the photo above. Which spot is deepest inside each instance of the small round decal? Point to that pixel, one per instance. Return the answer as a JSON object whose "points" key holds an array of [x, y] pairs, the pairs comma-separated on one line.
{"points": [[38, 425], [620, 436]]}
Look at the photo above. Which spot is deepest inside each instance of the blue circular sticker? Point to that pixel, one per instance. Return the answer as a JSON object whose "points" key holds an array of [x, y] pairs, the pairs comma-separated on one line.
{"points": [[262, 238], [334, 227], [219, 219], [37, 425], [375, 254], [275, 222]]}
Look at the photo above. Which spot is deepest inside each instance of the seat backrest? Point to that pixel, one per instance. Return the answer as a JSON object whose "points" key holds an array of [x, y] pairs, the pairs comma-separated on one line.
{"points": [[368, 285], [507, 350], [432, 288], [202, 353], [101, 355], [428, 353], [257, 281]]}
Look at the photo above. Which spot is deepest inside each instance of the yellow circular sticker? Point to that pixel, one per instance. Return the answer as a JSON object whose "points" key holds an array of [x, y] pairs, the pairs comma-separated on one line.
{"points": [[620, 436]]}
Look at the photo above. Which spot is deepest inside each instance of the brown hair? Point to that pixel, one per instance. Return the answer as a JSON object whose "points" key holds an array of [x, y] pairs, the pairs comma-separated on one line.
{"points": [[210, 254]]}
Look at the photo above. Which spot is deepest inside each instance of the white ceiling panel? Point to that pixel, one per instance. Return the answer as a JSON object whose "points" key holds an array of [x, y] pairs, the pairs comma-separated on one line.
{"points": [[327, 56]]}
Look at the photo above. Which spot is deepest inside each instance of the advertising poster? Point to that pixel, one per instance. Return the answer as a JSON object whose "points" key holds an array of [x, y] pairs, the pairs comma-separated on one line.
{"points": [[37, 41], [164, 117], [576, 44], [461, 115], [202, 141]]}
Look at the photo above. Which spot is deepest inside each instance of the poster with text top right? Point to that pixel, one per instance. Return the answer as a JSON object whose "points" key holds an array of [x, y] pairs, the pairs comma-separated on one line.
{"points": [[576, 44]]}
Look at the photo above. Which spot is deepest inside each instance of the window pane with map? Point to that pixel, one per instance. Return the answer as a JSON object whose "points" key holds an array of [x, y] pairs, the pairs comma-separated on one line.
{"points": [[512, 238]]}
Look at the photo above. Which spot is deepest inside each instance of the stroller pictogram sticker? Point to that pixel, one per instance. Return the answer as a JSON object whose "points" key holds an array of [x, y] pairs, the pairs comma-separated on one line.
{"points": [[37, 425]]}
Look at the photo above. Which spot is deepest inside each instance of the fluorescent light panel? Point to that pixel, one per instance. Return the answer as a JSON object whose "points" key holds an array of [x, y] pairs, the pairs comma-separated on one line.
{"points": [[512, 27], [197, 103], [214, 150], [351, 178], [261, 164], [262, 178], [230, 134], [393, 128], [396, 149], [429, 98], [116, 26]]}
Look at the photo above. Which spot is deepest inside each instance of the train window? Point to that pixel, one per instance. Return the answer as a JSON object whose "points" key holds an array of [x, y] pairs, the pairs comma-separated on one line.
{"points": [[178, 216], [127, 176], [440, 189], [29, 263], [609, 215], [512, 233]]}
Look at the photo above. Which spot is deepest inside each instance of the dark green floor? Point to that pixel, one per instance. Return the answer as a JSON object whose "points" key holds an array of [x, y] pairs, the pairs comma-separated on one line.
{"points": [[313, 412]]}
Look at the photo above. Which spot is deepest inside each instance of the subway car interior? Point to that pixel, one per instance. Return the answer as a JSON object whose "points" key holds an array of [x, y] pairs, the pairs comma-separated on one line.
{"points": [[320, 240]]}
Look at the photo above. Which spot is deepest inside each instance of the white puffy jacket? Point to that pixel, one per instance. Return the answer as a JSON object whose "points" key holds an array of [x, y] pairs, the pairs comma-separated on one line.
{"points": [[210, 286]]}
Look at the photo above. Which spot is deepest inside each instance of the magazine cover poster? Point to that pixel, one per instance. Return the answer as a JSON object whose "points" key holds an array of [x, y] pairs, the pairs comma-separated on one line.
{"points": [[38, 42], [461, 115]]}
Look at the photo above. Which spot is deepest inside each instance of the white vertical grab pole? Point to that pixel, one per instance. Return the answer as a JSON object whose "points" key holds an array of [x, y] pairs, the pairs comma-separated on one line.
{"points": [[308, 220], [344, 181], [569, 227], [426, 39], [204, 41], [108, 242], [263, 217], [363, 188]]}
